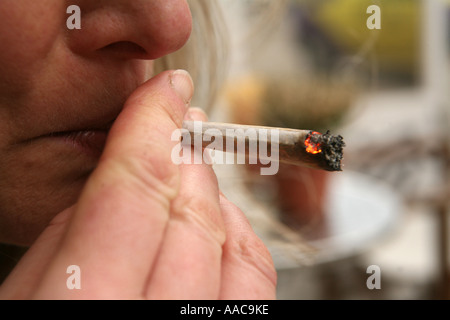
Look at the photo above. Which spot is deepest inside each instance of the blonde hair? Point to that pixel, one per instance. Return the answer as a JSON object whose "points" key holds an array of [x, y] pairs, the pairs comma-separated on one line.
{"points": [[204, 55]]}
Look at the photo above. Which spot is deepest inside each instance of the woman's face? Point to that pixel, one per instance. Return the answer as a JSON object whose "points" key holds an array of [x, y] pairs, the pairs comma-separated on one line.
{"points": [[60, 91]]}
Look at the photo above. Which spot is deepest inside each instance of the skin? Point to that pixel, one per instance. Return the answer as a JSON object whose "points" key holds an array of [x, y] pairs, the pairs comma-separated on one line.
{"points": [[137, 225]]}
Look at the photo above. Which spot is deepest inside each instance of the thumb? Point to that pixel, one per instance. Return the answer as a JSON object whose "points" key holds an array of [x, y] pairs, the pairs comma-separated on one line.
{"points": [[150, 116], [137, 155], [139, 143], [123, 209]]}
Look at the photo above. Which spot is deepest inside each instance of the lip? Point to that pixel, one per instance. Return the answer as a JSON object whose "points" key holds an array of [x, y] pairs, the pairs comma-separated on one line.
{"points": [[89, 142]]}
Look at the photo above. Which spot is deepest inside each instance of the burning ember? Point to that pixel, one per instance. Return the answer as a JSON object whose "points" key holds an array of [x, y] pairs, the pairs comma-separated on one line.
{"points": [[313, 145]]}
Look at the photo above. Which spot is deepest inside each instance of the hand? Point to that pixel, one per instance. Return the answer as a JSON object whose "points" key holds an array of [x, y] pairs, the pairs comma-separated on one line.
{"points": [[145, 228]]}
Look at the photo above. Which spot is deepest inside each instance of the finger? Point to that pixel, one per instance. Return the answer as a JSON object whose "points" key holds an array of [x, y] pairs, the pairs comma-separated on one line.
{"points": [[121, 215], [25, 277], [189, 263], [196, 113], [247, 267]]}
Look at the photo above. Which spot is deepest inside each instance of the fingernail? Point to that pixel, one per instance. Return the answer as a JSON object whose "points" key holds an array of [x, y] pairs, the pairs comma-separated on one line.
{"points": [[182, 83], [188, 115], [195, 113]]}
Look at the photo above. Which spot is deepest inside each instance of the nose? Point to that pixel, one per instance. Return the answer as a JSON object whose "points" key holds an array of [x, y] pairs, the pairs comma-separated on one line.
{"points": [[137, 29]]}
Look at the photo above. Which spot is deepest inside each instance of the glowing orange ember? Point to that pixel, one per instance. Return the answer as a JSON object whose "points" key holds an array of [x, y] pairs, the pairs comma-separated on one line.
{"points": [[312, 147]]}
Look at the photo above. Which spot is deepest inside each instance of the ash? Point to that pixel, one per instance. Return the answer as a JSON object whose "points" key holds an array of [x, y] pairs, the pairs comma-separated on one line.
{"points": [[332, 148]]}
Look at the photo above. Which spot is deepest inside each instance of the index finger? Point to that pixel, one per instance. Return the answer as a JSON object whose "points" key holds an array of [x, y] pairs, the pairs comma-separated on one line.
{"points": [[120, 218]]}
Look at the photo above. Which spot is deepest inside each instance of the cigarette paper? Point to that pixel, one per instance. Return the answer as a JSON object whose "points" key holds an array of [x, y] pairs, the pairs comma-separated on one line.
{"points": [[298, 147]]}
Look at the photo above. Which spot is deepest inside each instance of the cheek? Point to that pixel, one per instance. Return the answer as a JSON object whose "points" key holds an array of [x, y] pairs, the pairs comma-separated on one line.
{"points": [[28, 32], [28, 29]]}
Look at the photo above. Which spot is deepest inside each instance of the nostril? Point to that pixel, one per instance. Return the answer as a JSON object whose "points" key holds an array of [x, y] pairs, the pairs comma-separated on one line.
{"points": [[125, 48]]}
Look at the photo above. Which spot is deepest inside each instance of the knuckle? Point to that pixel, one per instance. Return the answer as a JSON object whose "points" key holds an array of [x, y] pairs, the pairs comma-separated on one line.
{"points": [[202, 215], [144, 178], [250, 250]]}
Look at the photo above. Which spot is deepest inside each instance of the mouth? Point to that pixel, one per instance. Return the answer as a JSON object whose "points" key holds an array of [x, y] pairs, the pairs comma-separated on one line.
{"points": [[90, 142]]}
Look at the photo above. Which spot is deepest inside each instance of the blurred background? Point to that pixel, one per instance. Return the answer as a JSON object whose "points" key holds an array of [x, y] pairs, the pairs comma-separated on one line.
{"points": [[317, 64]]}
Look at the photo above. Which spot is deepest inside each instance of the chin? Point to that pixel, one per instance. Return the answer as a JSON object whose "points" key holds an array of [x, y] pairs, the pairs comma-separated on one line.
{"points": [[22, 222], [39, 180]]}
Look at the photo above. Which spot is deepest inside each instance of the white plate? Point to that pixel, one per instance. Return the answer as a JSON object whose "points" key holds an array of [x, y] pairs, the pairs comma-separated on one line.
{"points": [[360, 211]]}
